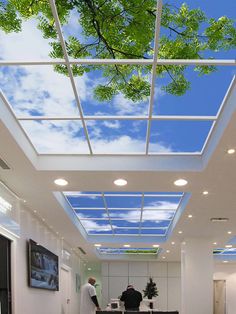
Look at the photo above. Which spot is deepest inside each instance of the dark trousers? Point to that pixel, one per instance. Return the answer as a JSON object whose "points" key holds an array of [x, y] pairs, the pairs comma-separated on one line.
{"points": [[133, 309]]}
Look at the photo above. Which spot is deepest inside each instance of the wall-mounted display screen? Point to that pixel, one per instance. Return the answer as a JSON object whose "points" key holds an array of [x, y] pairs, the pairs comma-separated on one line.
{"points": [[43, 267]]}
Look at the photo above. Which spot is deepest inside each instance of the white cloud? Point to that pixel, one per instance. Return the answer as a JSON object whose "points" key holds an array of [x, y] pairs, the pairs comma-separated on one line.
{"points": [[90, 225], [56, 138], [125, 106], [123, 144], [153, 215], [158, 93], [162, 205], [73, 27], [129, 215], [112, 124], [28, 44], [82, 194], [41, 90]]}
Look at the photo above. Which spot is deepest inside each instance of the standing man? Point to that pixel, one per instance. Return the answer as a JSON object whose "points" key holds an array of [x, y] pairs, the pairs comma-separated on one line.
{"points": [[89, 301], [131, 298]]}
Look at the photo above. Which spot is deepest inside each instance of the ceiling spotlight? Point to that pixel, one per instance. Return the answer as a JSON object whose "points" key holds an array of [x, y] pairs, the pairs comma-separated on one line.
{"points": [[35, 211], [120, 182], [89, 268], [225, 261], [126, 245], [228, 246], [181, 182], [163, 257], [180, 232], [215, 243], [155, 245], [231, 151], [173, 243], [229, 232], [167, 251], [97, 245], [205, 192], [190, 216], [61, 182]]}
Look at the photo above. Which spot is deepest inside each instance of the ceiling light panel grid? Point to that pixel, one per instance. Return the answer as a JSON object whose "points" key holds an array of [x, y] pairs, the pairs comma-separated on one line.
{"points": [[225, 252], [119, 214], [63, 98], [127, 251]]}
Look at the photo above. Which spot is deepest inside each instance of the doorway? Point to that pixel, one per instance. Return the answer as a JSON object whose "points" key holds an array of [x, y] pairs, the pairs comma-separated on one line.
{"points": [[219, 297], [65, 290], [5, 276]]}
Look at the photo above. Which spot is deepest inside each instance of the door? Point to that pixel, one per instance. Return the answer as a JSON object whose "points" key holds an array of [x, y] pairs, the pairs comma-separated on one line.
{"points": [[5, 275], [65, 291], [219, 297]]}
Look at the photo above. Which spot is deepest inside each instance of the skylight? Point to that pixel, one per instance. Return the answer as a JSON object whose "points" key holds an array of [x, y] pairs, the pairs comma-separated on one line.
{"points": [[54, 81], [121, 214], [225, 252], [129, 251]]}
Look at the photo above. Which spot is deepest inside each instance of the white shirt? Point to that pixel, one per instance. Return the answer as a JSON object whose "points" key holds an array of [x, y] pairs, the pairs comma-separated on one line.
{"points": [[86, 304]]}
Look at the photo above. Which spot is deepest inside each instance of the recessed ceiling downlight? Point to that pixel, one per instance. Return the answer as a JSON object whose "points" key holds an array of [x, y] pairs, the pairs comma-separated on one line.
{"points": [[120, 182], [180, 182], [231, 151], [61, 182]]}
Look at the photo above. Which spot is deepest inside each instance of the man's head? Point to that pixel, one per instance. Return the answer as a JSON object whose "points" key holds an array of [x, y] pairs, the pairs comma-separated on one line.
{"points": [[130, 287], [91, 280]]}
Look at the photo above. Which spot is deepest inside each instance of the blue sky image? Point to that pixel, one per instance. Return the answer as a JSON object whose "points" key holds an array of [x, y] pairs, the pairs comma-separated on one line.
{"points": [[125, 213], [39, 91]]}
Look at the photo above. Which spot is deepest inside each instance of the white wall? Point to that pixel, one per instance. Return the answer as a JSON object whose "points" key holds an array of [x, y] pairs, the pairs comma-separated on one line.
{"points": [[228, 272], [117, 275], [30, 300]]}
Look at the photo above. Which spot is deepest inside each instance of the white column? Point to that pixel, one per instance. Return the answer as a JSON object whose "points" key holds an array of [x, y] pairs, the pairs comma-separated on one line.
{"points": [[197, 276]]}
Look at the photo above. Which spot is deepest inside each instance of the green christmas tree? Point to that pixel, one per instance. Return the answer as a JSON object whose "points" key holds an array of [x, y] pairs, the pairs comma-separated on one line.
{"points": [[151, 289]]}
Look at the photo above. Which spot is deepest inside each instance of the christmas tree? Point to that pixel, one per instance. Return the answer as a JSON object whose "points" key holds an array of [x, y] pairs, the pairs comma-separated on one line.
{"points": [[151, 289]]}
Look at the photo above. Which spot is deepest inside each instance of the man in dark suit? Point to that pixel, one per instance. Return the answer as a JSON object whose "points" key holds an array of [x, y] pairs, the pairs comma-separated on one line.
{"points": [[131, 298]]}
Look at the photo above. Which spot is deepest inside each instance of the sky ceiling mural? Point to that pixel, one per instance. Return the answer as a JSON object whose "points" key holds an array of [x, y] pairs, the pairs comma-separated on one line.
{"points": [[146, 78], [125, 214]]}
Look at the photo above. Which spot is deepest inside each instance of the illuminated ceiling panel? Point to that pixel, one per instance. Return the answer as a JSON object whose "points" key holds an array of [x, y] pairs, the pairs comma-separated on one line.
{"points": [[115, 90], [125, 213], [127, 251]]}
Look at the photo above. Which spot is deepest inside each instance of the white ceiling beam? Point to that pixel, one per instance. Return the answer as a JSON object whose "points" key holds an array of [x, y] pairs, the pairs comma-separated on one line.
{"points": [[153, 75], [71, 76], [215, 62], [102, 118]]}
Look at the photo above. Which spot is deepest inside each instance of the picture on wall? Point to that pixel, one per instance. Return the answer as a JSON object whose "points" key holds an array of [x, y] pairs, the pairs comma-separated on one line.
{"points": [[43, 267], [77, 282]]}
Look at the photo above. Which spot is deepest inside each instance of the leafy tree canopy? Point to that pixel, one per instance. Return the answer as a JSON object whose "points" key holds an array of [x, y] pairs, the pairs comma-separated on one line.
{"points": [[125, 29]]}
